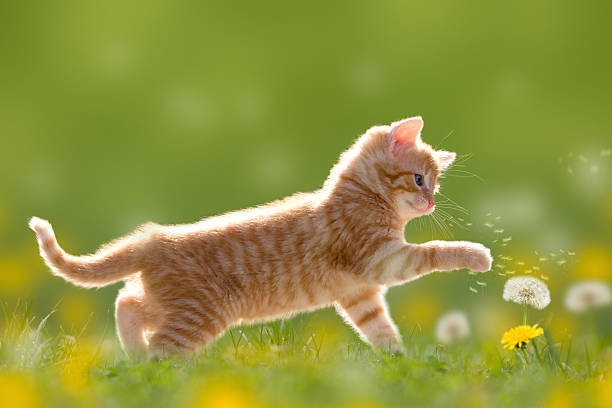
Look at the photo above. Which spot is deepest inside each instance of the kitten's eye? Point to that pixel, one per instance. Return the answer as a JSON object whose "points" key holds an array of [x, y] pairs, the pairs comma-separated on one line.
{"points": [[418, 179]]}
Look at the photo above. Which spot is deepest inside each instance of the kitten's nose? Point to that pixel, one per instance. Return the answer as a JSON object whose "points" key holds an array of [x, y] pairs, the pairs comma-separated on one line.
{"points": [[431, 204]]}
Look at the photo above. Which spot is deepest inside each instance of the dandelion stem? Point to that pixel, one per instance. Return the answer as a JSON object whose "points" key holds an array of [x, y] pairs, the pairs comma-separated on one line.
{"points": [[588, 358], [524, 355], [524, 314]]}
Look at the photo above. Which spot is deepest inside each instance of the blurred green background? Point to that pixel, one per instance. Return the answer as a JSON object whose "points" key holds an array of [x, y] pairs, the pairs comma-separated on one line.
{"points": [[115, 113]]}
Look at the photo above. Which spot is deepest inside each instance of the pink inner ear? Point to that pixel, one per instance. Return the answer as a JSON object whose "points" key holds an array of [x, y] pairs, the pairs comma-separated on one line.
{"points": [[407, 132]]}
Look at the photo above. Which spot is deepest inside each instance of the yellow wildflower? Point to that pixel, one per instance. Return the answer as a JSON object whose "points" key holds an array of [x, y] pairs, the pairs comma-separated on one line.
{"points": [[519, 336], [17, 390]]}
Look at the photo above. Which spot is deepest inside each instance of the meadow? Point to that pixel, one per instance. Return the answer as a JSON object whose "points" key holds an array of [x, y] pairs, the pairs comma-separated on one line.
{"points": [[290, 364]]}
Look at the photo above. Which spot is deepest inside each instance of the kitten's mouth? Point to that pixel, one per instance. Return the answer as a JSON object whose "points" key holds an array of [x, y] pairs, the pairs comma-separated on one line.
{"points": [[431, 207]]}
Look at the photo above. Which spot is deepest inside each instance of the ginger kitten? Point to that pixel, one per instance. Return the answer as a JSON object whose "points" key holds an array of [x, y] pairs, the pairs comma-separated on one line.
{"points": [[343, 245]]}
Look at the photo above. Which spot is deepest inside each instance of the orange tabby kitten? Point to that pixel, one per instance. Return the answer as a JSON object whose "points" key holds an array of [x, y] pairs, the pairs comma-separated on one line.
{"points": [[343, 245]]}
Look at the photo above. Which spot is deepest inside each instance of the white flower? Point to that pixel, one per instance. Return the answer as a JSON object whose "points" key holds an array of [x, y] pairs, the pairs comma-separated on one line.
{"points": [[452, 326], [587, 295], [526, 290]]}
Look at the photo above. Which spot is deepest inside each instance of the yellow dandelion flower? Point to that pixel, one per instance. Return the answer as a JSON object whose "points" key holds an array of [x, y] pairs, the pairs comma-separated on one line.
{"points": [[519, 336], [17, 390]]}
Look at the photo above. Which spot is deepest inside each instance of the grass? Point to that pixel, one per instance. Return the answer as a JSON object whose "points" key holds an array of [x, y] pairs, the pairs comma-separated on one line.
{"points": [[282, 364]]}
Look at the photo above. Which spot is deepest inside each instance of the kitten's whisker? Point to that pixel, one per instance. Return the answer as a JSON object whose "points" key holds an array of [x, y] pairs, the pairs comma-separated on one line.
{"points": [[446, 226], [444, 138], [448, 217], [449, 206], [452, 201], [431, 226], [463, 174], [462, 158], [444, 230]]}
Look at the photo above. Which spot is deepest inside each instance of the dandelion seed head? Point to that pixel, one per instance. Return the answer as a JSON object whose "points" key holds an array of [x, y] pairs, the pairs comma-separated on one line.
{"points": [[452, 327], [527, 290], [587, 295]]}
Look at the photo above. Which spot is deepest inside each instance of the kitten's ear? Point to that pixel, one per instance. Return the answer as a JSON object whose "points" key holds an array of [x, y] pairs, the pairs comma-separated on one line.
{"points": [[445, 159], [406, 133]]}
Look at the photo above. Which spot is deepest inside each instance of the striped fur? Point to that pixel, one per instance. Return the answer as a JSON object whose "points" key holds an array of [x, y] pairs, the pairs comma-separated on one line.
{"points": [[341, 245]]}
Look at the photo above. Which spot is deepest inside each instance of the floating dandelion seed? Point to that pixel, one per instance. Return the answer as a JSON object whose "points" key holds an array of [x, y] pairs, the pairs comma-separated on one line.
{"points": [[519, 336], [570, 253], [587, 295], [481, 283], [488, 225], [520, 263], [605, 153], [544, 277], [561, 262], [528, 291], [473, 290], [452, 326], [543, 259], [499, 231]]}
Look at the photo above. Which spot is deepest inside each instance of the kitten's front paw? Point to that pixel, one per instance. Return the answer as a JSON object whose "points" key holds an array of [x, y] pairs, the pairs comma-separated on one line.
{"points": [[393, 349], [478, 257]]}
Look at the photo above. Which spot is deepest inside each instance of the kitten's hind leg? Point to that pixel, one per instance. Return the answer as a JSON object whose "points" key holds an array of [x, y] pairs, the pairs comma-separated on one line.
{"points": [[190, 325], [130, 319], [366, 310]]}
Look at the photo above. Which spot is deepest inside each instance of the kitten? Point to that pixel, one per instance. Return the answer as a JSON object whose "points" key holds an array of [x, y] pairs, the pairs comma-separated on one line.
{"points": [[343, 245]]}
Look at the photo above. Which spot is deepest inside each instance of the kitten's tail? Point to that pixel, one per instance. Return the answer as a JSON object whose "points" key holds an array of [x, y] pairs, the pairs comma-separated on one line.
{"points": [[110, 264]]}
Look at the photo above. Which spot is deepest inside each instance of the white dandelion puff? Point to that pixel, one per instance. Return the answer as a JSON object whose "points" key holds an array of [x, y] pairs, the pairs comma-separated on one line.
{"points": [[527, 290], [452, 327], [587, 295]]}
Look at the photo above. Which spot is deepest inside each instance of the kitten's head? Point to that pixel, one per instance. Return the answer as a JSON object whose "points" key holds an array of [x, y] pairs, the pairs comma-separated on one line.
{"points": [[411, 168], [392, 161]]}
